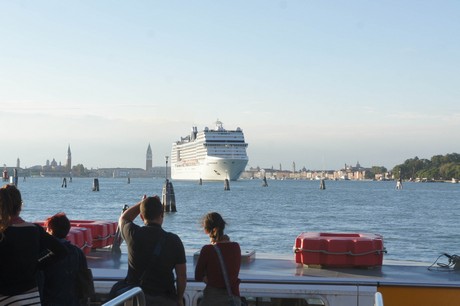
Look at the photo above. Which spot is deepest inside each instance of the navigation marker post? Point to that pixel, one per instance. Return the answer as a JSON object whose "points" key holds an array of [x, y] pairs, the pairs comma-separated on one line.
{"points": [[95, 184], [322, 184], [168, 197], [226, 182]]}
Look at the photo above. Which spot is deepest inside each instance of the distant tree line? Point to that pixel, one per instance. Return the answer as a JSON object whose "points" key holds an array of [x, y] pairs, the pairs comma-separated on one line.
{"points": [[80, 170], [374, 171], [439, 167]]}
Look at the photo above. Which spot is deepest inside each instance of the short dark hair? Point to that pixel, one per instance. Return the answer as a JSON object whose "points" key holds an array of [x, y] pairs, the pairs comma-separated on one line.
{"points": [[59, 224], [151, 208]]}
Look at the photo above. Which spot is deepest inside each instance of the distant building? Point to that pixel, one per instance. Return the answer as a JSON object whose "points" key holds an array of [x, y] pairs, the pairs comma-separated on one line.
{"points": [[148, 162]]}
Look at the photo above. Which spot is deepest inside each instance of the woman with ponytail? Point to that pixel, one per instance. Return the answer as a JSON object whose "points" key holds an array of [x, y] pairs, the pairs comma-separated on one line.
{"points": [[209, 269]]}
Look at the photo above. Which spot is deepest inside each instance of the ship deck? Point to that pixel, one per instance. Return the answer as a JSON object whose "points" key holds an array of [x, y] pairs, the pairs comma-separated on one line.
{"points": [[267, 269]]}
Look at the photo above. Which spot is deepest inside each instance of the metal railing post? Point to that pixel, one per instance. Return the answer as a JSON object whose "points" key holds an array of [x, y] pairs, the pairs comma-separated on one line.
{"points": [[130, 295]]}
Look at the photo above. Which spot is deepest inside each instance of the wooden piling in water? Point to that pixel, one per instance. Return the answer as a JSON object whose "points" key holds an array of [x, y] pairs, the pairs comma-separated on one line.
{"points": [[168, 197], [264, 184], [15, 177], [96, 184], [226, 184]]}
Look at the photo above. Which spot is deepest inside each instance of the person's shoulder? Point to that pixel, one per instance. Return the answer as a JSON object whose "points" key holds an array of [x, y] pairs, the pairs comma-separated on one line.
{"points": [[231, 245], [207, 247], [27, 225], [170, 235], [130, 226], [128, 223], [29, 229], [236, 246], [72, 246]]}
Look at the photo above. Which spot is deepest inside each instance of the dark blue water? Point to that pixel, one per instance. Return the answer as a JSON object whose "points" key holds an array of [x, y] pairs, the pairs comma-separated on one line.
{"points": [[418, 223]]}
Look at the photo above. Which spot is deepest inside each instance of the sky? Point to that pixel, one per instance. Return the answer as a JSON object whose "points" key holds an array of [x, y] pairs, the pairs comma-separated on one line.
{"points": [[318, 83]]}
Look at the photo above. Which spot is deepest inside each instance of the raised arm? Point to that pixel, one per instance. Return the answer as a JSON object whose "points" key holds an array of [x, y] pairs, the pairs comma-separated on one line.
{"points": [[131, 213]]}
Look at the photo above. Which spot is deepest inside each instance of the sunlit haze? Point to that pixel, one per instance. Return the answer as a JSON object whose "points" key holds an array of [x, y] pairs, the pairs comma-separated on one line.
{"points": [[318, 83]]}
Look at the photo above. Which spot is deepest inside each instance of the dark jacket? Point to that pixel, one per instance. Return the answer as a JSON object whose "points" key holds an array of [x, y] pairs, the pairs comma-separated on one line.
{"points": [[60, 279]]}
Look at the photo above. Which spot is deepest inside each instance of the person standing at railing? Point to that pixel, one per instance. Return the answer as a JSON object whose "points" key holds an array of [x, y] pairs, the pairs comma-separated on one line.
{"points": [[154, 254], [219, 264]]}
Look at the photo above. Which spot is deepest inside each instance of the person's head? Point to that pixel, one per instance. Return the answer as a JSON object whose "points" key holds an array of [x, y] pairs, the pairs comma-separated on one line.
{"points": [[152, 210], [10, 205], [58, 225], [214, 225]]}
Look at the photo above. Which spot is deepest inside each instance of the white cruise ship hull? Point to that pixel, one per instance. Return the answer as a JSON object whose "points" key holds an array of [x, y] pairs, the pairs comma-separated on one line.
{"points": [[210, 169]]}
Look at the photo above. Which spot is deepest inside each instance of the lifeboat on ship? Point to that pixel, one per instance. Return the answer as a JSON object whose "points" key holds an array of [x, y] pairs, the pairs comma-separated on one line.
{"points": [[87, 234], [340, 250], [103, 232], [81, 237]]}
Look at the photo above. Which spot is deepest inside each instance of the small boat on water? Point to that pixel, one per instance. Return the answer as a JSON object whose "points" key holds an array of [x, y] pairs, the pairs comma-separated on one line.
{"points": [[5, 175], [326, 269]]}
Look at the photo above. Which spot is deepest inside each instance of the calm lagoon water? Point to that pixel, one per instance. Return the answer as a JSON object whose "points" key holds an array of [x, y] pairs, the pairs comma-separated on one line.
{"points": [[419, 222]]}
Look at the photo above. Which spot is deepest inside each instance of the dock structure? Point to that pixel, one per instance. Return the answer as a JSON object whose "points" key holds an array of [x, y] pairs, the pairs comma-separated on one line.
{"points": [[226, 184]]}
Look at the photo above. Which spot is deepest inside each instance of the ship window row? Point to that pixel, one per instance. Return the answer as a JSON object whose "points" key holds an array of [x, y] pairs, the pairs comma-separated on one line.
{"points": [[190, 156], [225, 140], [225, 144], [226, 150], [223, 149], [223, 152], [232, 155]]}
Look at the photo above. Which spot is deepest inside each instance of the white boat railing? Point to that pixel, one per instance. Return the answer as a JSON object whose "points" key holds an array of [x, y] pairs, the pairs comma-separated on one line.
{"points": [[378, 299], [128, 297]]}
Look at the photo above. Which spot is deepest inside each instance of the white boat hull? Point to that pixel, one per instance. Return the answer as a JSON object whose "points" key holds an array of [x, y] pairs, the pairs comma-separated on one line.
{"points": [[210, 169]]}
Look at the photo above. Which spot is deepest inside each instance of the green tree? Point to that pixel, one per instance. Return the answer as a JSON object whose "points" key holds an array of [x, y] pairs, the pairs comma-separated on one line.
{"points": [[374, 171], [79, 170], [438, 167]]}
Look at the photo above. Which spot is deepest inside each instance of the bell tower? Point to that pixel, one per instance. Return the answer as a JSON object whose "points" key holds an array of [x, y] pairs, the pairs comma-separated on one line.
{"points": [[148, 162], [69, 159]]}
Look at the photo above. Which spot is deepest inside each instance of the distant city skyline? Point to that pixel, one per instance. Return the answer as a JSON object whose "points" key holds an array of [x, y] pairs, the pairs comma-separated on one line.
{"points": [[318, 83], [148, 163]]}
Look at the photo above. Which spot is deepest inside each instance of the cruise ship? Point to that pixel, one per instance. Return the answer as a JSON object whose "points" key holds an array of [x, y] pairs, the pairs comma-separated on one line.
{"points": [[211, 155]]}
